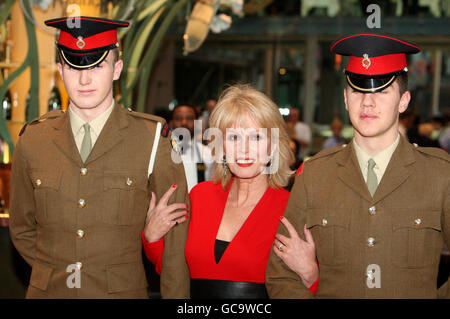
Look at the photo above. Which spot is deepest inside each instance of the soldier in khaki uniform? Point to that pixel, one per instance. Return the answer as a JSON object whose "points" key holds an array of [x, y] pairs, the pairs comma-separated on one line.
{"points": [[81, 181], [379, 207]]}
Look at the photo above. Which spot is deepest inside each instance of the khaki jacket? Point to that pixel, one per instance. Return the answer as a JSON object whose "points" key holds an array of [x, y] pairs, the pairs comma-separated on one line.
{"points": [[91, 215], [408, 219]]}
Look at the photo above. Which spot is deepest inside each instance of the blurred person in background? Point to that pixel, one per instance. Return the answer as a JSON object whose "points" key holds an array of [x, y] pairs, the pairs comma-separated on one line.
{"points": [[421, 132], [335, 140], [197, 158], [209, 107], [300, 131]]}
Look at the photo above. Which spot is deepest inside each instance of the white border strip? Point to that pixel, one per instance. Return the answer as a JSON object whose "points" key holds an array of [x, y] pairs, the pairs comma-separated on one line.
{"points": [[154, 149]]}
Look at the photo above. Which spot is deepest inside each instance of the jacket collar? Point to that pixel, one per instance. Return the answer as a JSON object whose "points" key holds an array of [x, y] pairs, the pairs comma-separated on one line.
{"points": [[108, 138], [397, 171]]}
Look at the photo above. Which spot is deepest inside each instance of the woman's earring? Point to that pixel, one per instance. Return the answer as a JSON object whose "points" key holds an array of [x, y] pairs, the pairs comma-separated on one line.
{"points": [[270, 166], [225, 167]]}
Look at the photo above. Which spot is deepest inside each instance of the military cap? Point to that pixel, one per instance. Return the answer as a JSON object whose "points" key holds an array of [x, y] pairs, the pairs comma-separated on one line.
{"points": [[375, 60], [84, 42]]}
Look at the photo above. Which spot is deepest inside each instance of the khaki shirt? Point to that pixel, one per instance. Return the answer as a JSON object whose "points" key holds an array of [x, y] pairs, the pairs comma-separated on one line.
{"points": [[97, 124], [381, 159], [400, 231], [65, 212]]}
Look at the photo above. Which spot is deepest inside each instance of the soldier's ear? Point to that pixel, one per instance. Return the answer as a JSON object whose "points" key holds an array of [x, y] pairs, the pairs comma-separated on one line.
{"points": [[345, 98], [60, 68], [404, 102], [118, 65]]}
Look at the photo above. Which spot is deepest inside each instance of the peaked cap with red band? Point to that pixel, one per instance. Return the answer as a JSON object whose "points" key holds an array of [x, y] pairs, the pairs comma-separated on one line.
{"points": [[375, 60], [84, 42]]}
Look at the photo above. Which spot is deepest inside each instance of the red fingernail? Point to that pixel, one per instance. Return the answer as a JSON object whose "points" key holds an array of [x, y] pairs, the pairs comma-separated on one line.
{"points": [[174, 185]]}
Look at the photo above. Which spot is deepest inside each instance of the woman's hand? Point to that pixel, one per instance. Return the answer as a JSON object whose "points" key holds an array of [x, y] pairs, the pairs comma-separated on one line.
{"points": [[161, 218], [297, 254]]}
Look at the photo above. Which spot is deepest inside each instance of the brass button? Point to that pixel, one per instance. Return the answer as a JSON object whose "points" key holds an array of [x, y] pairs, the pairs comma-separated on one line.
{"points": [[81, 203], [418, 221], [324, 222], [80, 233], [38, 182], [83, 171], [370, 241], [129, 181], [372, 210], [79, 265]]}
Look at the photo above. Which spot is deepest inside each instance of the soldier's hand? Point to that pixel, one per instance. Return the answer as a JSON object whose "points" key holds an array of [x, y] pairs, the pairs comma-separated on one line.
{"points": [[297, 254], [162, 217]]}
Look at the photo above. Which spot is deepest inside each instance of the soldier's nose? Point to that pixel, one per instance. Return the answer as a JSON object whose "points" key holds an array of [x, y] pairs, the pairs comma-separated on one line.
{"points": [[85, 77]]}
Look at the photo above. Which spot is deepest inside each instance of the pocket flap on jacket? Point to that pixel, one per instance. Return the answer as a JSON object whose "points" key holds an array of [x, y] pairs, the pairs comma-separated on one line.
{"points": [[123, 277], [417, 219], [125, 181], [327, 218], [40, 275], [40, 179]]}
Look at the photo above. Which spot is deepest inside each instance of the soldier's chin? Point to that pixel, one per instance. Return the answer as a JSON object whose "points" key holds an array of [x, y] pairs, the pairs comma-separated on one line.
{"points": [[368, 133], [86, 103], [85, 106]]}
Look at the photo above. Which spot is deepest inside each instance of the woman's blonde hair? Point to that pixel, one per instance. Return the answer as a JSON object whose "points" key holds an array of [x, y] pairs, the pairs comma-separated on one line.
{"points": [[239, 102]]}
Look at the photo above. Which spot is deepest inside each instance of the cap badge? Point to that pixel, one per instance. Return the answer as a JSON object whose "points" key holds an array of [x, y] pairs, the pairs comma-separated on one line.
{"points": [[366, 61], [80, 42]]}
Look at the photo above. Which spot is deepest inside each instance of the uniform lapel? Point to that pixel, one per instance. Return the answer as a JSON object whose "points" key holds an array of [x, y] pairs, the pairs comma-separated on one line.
{"points": [[110, 135], [349, 172], [64, 140], [398, 170]]}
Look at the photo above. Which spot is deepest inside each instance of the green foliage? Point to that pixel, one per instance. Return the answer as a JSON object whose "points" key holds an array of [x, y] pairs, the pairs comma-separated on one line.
{"points": [[141, 45], [4, 131]]}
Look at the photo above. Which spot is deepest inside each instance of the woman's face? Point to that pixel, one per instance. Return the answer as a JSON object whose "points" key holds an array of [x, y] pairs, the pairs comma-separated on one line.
{"points": [[247, 148]]}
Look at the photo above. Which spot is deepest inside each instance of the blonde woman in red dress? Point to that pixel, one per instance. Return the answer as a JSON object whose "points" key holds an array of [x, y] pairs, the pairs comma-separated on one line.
{"points": [[234, 218]]}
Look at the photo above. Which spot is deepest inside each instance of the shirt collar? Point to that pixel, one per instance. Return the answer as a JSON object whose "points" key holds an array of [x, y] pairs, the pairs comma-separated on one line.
{"points": [[76, 122], [98, 123], [381, 159]]}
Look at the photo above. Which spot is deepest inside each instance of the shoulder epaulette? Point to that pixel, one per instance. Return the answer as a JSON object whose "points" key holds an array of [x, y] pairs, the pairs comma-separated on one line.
{"points": [[328, 152], [165, 127], [47, 116], [434, 152], [146, 116]]}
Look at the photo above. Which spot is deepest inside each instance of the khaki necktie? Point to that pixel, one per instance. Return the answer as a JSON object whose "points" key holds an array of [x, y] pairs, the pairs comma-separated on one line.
{"points": [[372, 181], [86, 145]]}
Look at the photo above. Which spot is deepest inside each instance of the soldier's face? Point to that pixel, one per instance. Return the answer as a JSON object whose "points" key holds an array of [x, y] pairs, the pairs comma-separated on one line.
{"points": [[375, 114], [91, 88]]}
